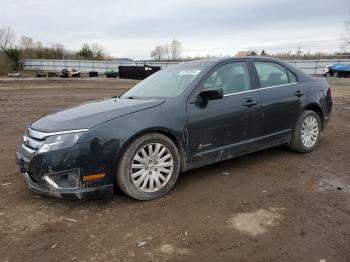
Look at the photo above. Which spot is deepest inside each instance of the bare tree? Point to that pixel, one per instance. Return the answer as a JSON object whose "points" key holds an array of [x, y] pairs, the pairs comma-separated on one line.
{"points": [[26, 42], [93, 51], [166, 51], [299, 51], [157, 53], [59, 50], [39, 45], [345, 37], [7, 38], [161, 52], [27, 46], [175, 49], [98, 51]]}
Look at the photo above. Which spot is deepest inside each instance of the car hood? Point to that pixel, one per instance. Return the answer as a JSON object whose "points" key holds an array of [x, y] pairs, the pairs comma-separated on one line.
{"points": [[90, 114]]}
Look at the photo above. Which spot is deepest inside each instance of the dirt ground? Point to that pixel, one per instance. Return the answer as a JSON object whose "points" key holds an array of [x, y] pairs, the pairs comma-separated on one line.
{"points": [[273, 205]]}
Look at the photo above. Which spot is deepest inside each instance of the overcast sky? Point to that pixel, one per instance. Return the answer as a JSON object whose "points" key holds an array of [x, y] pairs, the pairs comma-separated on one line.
{"points": [[131, 28]]}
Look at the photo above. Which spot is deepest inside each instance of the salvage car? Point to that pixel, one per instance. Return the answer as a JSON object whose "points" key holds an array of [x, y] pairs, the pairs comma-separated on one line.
{"points": [[337, 70], [183, 117]]}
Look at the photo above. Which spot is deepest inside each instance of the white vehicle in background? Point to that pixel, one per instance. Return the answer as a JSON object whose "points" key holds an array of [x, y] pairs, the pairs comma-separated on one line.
{"points": [[326, 70]]}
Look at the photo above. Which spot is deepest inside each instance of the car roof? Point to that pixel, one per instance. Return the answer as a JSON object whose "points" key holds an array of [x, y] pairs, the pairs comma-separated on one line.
{"points": [[214, 61], [219, 60], [210, 63]]}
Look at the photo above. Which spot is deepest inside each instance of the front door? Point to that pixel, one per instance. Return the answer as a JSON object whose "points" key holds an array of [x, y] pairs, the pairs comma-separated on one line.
{"points": [[220, 129]]}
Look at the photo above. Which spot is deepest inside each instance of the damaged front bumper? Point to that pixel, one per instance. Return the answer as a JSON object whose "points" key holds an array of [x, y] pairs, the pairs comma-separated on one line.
{"points": [[61, 174], [78, 193]]}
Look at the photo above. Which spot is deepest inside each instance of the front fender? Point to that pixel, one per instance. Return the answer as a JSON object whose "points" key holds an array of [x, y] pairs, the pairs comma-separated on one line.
{"points": [[169, 120]]}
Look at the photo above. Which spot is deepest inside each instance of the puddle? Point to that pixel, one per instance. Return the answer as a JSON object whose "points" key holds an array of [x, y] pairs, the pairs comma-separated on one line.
{"points": [[333, 185], [258, 222], [326, 185]]}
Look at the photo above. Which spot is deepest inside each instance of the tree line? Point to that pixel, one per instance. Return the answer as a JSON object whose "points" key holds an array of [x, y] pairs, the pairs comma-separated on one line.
{"points": [[12, 51], [173, 51], [167, 52]]}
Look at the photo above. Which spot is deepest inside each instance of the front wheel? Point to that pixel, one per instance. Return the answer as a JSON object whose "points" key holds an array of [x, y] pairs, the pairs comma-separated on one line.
{"points": [[306, 133], [149, 167]]}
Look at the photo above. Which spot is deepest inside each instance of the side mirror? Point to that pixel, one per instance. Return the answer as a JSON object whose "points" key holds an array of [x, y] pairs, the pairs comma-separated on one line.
{"points": [[212, 93]]}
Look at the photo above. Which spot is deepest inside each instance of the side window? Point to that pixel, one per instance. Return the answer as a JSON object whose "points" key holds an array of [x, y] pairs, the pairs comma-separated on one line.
{"points": [[292, 77], [272, 74], [232, 77]]}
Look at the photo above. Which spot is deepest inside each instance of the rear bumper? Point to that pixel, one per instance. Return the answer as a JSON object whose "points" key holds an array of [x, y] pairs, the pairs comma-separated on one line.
{"points": [[326, 122]]}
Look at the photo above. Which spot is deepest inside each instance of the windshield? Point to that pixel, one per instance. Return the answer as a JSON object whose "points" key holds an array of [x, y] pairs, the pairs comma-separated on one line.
{"points": [[169, 82]]}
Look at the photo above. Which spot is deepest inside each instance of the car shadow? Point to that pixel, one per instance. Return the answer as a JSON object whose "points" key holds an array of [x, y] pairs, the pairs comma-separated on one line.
{"points": [[185, 180], [231, 165]]}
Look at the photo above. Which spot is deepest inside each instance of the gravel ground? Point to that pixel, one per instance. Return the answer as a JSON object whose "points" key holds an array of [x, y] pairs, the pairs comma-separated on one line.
{"points": [[273, 205]]}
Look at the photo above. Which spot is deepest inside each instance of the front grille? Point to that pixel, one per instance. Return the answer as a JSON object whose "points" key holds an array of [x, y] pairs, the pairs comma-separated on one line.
{"points": [[32, 143], [33, 140]]}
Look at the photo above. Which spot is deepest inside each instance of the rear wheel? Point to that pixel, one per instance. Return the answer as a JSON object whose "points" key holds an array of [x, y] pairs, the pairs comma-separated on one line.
{"points": [[149, 167], [306, 133]]}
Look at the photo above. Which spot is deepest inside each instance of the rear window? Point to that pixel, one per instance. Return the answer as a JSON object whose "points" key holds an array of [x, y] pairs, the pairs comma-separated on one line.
{"points": [[292, 77], [272, 74]]}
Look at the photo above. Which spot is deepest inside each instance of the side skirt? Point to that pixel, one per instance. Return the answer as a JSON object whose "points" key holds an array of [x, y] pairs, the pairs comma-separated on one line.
{"points": [[239, 149]]}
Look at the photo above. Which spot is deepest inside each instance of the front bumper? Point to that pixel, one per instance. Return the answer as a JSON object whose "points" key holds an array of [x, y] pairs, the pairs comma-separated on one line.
{"points": [[37, 168], [79, 193]]}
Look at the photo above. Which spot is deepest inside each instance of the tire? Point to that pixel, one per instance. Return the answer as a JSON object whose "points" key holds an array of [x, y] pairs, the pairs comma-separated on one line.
{"points": [[306, 121], [157, 179]]}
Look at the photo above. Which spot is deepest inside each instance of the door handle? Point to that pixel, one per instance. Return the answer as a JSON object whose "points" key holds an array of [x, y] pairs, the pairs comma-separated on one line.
{"points": [[299, 93], [250, 103]]}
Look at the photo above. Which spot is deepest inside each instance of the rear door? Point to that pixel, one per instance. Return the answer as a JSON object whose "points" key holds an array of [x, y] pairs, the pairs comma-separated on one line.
{"points": [[219, 129], [281, 98]]}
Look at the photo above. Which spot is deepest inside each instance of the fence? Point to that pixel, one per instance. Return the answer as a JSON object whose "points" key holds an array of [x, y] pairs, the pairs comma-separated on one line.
{"points": [[313, 67], [83, 65]]}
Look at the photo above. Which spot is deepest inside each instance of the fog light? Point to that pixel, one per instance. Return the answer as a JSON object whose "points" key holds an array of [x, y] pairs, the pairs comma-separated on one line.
{"points": [[64, 180]]}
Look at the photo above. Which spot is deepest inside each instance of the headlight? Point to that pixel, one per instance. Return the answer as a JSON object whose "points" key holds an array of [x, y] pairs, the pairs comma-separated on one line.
{"points": [[61, 141]]}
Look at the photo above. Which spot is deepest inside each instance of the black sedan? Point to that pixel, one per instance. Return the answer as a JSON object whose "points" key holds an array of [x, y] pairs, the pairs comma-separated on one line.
{"points": [[183, 117]]}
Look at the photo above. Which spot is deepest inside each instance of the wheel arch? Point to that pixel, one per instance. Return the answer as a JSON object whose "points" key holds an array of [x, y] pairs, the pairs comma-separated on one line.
{"points": [[161, 130], [317, 109]]}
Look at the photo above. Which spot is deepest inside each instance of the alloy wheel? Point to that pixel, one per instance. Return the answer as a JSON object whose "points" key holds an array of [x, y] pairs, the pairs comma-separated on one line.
{"points": [[309, 131], [152, 167]]}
